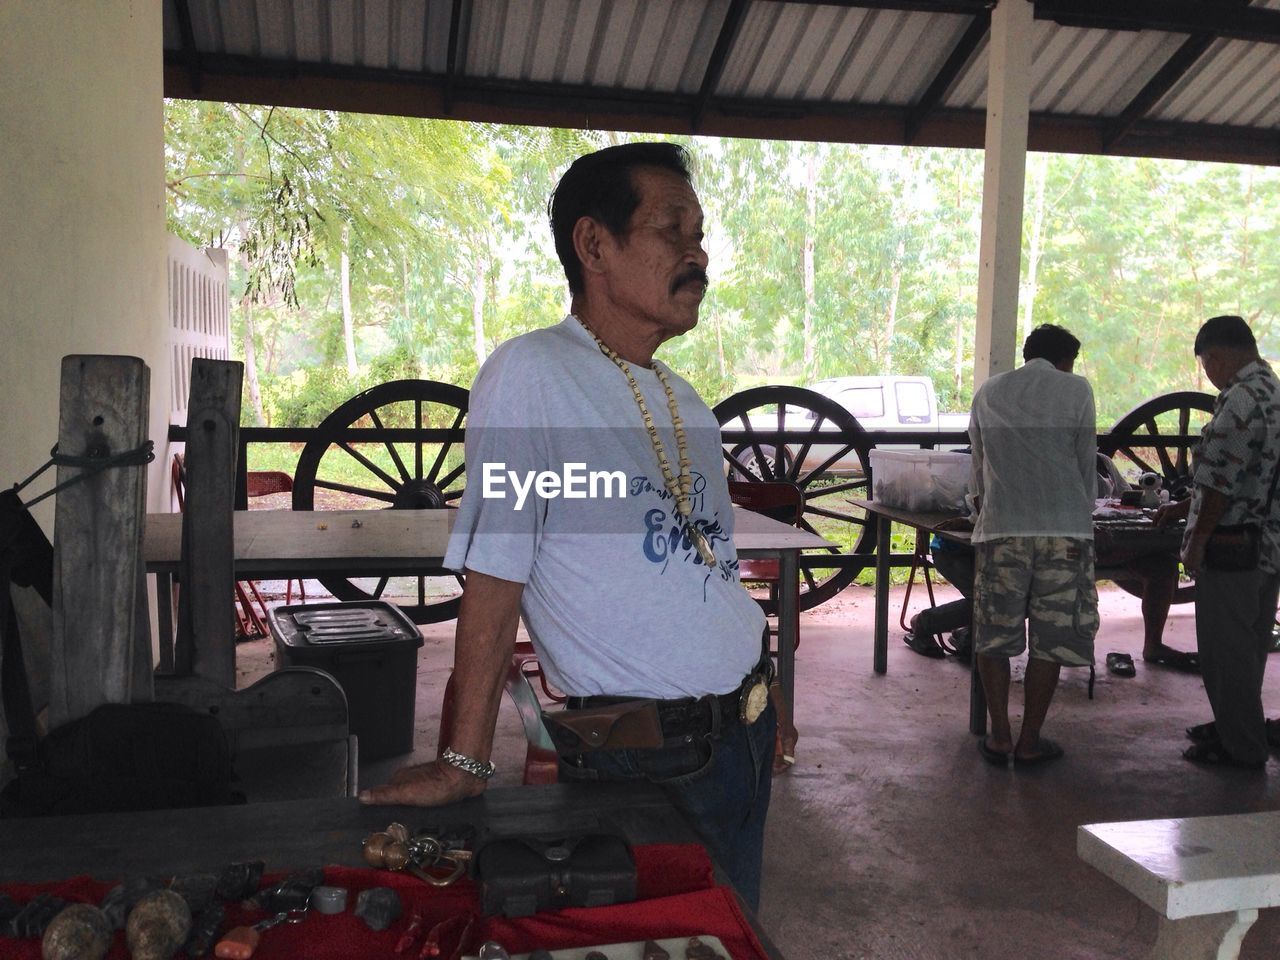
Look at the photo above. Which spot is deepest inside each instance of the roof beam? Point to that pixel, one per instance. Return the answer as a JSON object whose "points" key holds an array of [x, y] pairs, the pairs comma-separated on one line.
{"points": [[970, 8], [719, 57], [451, 62], [1160, 84], [1254, 24], [1156, 87], [946, 76], [190, 54], [239, 79]]}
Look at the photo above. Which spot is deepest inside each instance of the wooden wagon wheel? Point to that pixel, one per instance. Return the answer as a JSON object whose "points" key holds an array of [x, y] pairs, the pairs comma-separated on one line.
{"points": [[827, 471], [395, 446], [1173, 414]]}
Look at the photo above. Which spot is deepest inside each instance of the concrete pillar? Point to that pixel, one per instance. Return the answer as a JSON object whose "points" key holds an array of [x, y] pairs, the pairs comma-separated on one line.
{"points": [[82, 252], [1004, 175]]}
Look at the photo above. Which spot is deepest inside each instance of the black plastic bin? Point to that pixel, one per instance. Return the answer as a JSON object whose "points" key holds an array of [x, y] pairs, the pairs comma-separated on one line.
{"points": [[371, 648]]}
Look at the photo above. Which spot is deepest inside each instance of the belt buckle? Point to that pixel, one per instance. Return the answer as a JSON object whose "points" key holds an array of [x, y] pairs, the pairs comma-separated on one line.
{"points": [[753, 699]]}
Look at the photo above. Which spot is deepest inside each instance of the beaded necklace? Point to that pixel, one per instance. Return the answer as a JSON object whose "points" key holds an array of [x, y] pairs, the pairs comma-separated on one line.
{"points": [[680, 488]]}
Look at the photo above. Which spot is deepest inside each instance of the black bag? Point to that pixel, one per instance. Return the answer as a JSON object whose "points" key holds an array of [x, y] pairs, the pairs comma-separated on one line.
{"points": [[520, 876], [142, 756], [1234, 547]]}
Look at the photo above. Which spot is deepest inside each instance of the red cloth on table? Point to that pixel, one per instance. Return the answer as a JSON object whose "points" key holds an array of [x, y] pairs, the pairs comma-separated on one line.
{"points": [[676, 897]]}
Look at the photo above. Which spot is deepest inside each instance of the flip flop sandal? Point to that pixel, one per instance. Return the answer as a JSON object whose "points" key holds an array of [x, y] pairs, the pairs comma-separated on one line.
{"points": [[1211, 753], [1177, 659], [1121, 664], [1048, 750], [996, 757]]}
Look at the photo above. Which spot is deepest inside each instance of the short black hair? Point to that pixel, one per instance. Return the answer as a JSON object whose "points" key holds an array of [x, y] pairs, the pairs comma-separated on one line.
{"points": [[1226, 331], [1052, 343], [599, 185]]}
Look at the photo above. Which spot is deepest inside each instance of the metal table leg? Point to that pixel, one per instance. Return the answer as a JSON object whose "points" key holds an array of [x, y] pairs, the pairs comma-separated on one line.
{"points": [[880, 655]]}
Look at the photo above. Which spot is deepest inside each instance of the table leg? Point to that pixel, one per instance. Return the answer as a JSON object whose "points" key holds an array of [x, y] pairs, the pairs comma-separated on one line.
{"points": [[164, 621], [1214, 936], [880, 652], [788, 602]]}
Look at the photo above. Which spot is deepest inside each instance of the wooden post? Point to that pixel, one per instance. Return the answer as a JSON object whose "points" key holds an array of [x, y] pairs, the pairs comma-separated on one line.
{"points": [[1003, 178], [99, 653], [206, 642]]}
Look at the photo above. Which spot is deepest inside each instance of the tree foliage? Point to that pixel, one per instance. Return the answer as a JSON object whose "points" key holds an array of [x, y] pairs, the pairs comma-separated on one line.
{"points": [[826, 259]]}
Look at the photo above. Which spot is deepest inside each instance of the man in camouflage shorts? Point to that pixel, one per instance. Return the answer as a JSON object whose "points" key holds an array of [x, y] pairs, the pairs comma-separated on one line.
{"points": [[1235, 468], [1034, 439]]}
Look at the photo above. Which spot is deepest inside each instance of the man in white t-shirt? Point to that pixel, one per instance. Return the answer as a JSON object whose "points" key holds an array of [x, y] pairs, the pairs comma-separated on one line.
{"points": [[596, 507], [1034, 439]]}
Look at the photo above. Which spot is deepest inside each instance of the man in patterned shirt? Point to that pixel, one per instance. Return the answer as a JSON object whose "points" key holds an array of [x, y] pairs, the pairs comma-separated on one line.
{"points": [[1234, 470]]}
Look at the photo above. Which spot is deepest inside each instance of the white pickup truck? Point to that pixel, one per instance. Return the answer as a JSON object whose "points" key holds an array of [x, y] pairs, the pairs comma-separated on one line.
{"points": [[891, 403], [876, 403]]}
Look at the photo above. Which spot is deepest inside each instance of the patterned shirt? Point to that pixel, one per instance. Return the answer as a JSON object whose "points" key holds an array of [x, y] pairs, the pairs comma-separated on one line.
{"points": [[1238, 453]]}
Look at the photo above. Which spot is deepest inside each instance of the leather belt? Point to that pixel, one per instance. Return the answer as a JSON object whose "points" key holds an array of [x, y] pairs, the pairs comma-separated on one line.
{"points": [[701, 716]]}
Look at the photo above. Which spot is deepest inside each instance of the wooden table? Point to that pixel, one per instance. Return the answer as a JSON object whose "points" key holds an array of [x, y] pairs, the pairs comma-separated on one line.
{"points": [[279, 544], [306, 833]]}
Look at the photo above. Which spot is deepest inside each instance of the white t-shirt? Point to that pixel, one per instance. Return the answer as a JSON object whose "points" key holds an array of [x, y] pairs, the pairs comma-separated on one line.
{"points": [[617, 600], [1034, 437]]}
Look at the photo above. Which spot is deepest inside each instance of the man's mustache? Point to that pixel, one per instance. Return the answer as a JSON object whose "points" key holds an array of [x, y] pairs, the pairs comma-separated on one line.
{"points": [[692, 275]]}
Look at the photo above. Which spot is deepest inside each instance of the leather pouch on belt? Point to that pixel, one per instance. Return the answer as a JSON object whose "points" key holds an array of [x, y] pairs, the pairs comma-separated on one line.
{"points": [[631, 725]]}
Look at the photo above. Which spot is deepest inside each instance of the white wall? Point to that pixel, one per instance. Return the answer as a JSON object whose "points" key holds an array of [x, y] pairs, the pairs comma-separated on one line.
{"points": [[82, 222]]}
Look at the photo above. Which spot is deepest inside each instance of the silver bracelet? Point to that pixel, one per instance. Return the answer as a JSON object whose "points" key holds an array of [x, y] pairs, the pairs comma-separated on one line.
{"points": [[477, 768]]}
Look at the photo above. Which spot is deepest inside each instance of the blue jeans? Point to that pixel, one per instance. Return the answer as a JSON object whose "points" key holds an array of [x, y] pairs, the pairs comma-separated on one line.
{"points": [[719, 783]]}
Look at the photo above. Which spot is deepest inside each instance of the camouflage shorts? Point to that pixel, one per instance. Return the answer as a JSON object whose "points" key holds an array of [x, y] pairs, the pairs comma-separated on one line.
{"points": [[1046, 581]]}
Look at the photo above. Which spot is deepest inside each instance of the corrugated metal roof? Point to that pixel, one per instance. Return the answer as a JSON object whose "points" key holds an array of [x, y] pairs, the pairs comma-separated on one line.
{"points": [[1197, 79]]}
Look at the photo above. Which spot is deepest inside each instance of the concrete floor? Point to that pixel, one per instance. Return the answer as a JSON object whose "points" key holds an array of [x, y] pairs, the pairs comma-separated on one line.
{"points": [[892, 838]]}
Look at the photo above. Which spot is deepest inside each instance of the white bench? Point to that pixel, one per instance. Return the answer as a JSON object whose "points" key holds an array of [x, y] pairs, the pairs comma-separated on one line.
{"points": [[1207, 877]]}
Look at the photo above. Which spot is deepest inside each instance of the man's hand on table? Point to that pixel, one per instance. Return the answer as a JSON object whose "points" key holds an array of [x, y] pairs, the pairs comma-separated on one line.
{"points": [[431, 784]]}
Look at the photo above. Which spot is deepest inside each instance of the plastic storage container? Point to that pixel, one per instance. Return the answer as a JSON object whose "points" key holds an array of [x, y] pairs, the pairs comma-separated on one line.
{"points": [[371, 648], [925, 480]]}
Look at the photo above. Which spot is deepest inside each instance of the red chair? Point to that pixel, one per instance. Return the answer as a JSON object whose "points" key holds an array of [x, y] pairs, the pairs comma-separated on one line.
{"points": [[540, 765]]}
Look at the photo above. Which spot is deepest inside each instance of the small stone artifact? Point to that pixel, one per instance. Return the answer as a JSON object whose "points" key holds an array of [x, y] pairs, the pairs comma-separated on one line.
{"points": [[121, 898], [157, 926], [240, 880], [205, 929], [33, 919], [79, 932], [653, 951], [378, 907]]}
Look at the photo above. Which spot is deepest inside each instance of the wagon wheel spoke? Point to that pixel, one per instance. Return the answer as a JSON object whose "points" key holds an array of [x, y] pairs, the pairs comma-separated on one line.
{"points": [[830, 514], [391, 447], [417, 447], [740, 467], [794, 473], [827, 464], [1141, 463], [826, 491], [369, 465], [384, 495], [445, 448], [1184, 427], [1166, 462]]}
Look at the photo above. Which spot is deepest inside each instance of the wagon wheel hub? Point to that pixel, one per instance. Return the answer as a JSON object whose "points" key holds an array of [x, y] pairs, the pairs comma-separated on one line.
{"points": [[418, 495]]}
